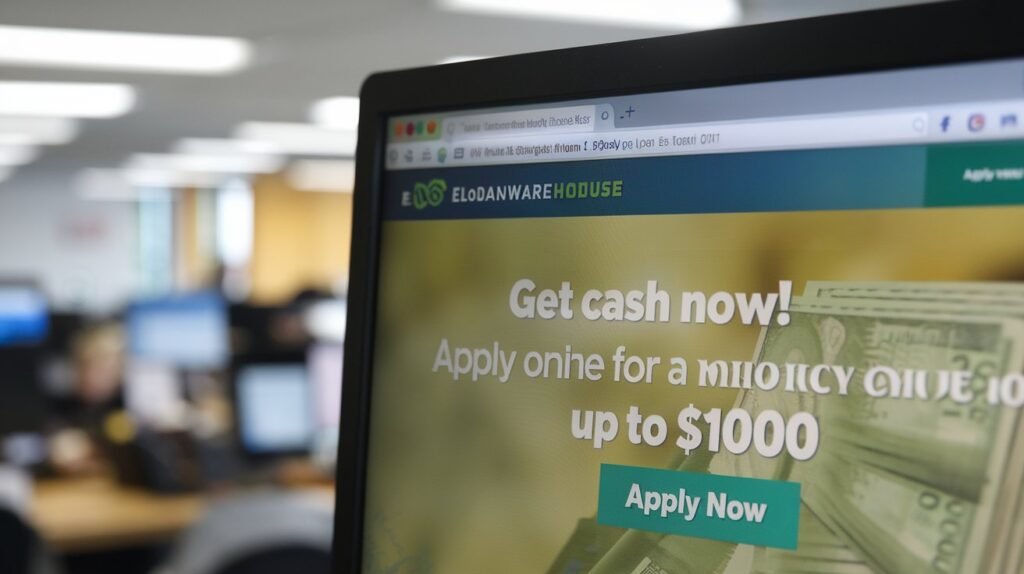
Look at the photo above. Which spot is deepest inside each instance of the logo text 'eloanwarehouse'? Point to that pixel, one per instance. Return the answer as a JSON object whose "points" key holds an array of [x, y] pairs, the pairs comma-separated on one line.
{"points": [[432, 193], [538, 191]]}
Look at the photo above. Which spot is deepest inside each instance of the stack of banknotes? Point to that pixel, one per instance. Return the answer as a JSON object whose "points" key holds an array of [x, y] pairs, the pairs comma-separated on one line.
{"points": [[897, 486]]}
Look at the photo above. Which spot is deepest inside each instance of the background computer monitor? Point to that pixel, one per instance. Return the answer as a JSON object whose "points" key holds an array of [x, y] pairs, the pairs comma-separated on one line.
{"points": [[24, 314], [274, 408], [289, 403], [24, 327], [186, 331], [23, 402], [325, 362]]}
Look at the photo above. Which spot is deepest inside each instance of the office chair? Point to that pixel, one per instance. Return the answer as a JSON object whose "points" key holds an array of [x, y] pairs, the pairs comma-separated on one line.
{"points": [[267, 532], [22, 552], [303, 559]]}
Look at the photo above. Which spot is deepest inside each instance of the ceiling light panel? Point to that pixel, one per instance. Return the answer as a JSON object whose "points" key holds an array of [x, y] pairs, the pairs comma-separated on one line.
{"points": [[65, 99], [135, 184], [205, 146], [322, 175], [106, 50], [340, 113], [37, 131], [300, 139], [211, 163], [660, 14], [11, 155]]}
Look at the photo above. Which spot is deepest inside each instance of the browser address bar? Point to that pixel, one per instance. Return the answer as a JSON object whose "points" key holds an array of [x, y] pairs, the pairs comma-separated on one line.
{"points": [[761, 135]]}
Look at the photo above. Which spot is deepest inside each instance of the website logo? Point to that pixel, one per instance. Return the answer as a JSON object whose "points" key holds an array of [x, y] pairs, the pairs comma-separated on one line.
{"points": [[430, 194]]}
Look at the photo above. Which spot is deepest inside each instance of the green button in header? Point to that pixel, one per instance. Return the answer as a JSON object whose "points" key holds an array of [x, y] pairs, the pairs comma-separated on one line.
{"points": [[729, 508]]}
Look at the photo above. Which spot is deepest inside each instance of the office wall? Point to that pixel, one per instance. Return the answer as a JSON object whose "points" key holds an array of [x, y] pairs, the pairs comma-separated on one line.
{"points": [[302, 240], [84, 253]]}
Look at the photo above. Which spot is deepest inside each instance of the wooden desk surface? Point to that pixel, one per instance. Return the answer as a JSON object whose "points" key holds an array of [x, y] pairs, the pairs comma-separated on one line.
{"points": [[95, 514], [98, 514]]}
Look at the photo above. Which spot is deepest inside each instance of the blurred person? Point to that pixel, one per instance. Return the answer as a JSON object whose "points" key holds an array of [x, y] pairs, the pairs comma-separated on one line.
{"points": [[289, 328], [97, 384]]}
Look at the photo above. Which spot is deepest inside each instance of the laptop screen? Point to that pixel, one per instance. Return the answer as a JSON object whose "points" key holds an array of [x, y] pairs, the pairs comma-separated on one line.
{"points": [[755, 328]]}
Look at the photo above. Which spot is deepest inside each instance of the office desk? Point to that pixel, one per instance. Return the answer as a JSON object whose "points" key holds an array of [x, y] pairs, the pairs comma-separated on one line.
{"points": [[94, 514]]}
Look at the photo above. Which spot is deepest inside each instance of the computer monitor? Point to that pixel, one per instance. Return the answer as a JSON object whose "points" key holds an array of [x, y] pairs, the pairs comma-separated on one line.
{"points": [[23, 403], [188, 331], [287, 403], [746, 300], [325, 361], [274, 406], [24, 314]]}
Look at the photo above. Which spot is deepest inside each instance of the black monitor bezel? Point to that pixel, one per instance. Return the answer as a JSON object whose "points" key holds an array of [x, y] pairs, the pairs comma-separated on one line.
{"points": [[917, 36]]}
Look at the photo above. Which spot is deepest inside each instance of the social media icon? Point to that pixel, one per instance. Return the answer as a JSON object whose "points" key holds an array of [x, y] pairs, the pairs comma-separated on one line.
{"points": [[944, 123], [1008, 121], [976, 122]]}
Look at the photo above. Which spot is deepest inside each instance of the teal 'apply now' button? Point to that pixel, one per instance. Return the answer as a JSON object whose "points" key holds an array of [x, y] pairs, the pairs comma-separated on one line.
{"points": [[729, 508]]}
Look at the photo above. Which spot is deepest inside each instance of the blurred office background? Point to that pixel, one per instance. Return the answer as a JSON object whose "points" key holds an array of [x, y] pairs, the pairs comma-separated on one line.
{"points": [[175, 211]]}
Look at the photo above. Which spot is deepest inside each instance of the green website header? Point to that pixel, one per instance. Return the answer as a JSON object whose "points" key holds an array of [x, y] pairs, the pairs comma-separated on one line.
{"points": [[892, 177]]}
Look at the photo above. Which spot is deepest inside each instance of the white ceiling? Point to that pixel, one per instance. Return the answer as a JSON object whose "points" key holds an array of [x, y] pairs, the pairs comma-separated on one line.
{"points": [[304, 50]]}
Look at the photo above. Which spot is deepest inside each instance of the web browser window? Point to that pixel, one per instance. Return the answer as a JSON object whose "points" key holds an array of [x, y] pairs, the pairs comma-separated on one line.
{"points": [[756, 328]]}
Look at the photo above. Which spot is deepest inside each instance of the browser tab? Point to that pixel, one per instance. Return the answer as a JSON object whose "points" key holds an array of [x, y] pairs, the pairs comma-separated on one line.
{"points": [[526, 122]]}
